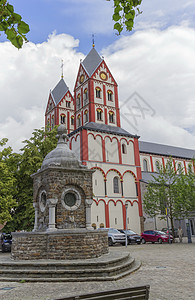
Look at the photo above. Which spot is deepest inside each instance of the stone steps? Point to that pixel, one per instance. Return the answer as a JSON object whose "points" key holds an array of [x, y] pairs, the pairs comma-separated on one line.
{"points": [[101, 270]]}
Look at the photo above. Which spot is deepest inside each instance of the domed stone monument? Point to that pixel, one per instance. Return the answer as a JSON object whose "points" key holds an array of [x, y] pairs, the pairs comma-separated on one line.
{"points": [[62, 193]]}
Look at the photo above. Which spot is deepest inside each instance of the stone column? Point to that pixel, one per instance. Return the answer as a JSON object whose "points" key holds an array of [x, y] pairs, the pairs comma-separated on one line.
{"points": [[36, 207], [52, 207], [88, 203]]}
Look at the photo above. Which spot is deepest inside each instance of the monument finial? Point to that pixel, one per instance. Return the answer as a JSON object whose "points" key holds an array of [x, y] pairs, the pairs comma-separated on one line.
{"points": [[93, 41], [62, 135], [62, 65]]}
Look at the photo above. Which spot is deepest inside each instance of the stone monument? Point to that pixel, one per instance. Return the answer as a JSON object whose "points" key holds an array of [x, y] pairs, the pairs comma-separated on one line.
{"points": [[62, 193]]}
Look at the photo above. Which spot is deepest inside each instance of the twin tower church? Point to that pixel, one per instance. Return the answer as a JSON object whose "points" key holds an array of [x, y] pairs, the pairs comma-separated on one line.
{"points": [[120, 162]]}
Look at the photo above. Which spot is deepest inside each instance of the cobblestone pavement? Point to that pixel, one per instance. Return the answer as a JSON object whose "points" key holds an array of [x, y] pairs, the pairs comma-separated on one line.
{"points": [[168, 269]]}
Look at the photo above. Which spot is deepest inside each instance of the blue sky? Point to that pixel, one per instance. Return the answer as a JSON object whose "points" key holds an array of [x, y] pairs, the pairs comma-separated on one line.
{"points": [[156, 60], [82, 18]]}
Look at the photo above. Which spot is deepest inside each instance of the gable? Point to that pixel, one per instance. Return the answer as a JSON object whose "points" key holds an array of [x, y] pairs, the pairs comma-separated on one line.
{"points": [[102, 73]]}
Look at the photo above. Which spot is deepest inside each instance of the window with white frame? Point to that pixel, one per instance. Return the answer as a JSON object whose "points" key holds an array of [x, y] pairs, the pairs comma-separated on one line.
{"points": [[145, 165], [99, 114], [111, 117], [98, 92], [62, 119], [124, 149], [110, 95], [116, 184], [157, 165]]}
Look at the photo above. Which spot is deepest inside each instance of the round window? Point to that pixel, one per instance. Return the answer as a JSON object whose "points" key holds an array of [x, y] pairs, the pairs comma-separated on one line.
{"points": [[70, 199]]}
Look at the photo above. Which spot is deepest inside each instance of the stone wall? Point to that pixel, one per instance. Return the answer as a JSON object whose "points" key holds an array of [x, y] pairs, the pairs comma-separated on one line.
{"points": [[66, 244], [54, 181]]}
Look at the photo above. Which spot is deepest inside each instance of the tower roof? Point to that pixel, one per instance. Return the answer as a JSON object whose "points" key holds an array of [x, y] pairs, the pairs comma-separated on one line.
{"points": [[59, 91], [92, 61]]}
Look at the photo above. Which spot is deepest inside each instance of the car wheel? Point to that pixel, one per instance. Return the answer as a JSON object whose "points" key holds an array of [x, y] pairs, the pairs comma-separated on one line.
{"points": [[143, 241], [110, 242], [160, 241], [138, 243], [152, 242]]}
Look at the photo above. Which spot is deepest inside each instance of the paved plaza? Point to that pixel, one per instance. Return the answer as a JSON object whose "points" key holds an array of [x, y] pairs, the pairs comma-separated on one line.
{"points": [[168, 269]]}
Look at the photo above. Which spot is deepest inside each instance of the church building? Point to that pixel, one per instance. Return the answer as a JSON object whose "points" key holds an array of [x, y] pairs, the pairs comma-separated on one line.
{"points": [[119, 160]]}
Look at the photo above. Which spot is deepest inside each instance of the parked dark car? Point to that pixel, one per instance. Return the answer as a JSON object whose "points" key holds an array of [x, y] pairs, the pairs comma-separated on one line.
{"points": [[114, 236], [132, 237], [155, 236], [170, 230], [6, 242]]}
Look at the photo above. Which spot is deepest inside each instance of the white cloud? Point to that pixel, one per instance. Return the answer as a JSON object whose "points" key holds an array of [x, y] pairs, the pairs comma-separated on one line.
{"points": [[159, 65], [26, 76]]}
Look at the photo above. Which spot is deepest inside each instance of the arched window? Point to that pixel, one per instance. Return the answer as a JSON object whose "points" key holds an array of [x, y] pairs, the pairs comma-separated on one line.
{"points": [[99, 114], [98, 92], [78, 101], [94, 225], [116, 184], [68, 104], [102, 225], [145, 165], [48, 122], [62, 119], [157, 164], [86, 116], [72, 120], [79, 120], [110, 96], [124, 149], [85, 95], [111, 117], [179, 168], [189, 168]]}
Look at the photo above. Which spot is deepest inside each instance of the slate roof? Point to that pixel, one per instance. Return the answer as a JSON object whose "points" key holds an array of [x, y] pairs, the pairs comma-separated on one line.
{"points": [[104, 128], [153, 148], [92, 61], [59, 91], [148, 176]]}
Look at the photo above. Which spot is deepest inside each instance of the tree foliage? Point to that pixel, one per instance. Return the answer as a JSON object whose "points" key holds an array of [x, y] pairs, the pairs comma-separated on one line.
{"points": [[28, 162], [12, 25], [124, 14], [170, 189], [15, 29], [7, 183]]}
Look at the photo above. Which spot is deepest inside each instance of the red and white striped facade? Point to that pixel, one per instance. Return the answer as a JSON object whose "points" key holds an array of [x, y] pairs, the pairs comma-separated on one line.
{"points": [[101, 144], [92, 118]]}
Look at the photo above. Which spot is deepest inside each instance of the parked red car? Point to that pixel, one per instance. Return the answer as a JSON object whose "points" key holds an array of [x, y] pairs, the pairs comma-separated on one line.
{"points": [[155, 236]]}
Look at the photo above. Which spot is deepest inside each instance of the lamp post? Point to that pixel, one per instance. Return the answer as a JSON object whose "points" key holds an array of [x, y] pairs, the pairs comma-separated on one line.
{"points": [[126, 206]]}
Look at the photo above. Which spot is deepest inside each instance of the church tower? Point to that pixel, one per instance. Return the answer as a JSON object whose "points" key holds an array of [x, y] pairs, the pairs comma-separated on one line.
{"points": [[60, 107], [95, 93], [100, 143]]}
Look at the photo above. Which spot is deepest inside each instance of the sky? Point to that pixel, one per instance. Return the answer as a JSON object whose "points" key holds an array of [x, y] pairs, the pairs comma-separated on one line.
{"points": [[154, 66]]}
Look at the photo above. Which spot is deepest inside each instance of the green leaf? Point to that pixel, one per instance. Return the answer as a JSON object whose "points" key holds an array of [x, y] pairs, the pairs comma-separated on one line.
{"points": [[11, 34], [116, 17], [10, 8], [116, 2], [17, 17], [129, 16], [17, 42], [118, 27], [117, 9], [23, 28], [129, 24]]}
